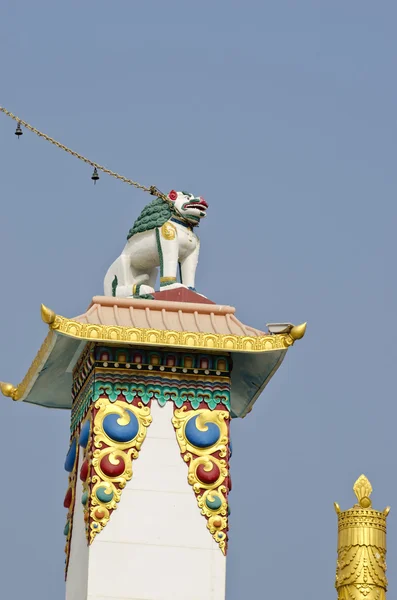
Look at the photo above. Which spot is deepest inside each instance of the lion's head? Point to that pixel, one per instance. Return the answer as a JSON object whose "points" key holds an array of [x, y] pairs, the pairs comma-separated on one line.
{"points": [[182, 205], [189, 207]]}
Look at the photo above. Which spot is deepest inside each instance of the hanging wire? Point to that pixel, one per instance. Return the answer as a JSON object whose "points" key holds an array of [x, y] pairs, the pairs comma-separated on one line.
{"points": [[151, 190]]}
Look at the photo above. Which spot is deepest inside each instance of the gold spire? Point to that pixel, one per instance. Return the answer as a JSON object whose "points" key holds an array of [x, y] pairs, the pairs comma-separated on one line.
{"points": [[361, 565], [363, 489]]}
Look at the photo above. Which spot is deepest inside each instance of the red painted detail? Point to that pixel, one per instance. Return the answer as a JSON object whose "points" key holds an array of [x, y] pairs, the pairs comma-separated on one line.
{"points": [[84, 471], [181, 295], [68, 498], [173, 195], [99, 513], [208, 476], [112, 470]]}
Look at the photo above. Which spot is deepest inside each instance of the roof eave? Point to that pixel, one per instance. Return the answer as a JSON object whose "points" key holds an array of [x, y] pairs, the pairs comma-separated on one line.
{"points": [[82, 332]]}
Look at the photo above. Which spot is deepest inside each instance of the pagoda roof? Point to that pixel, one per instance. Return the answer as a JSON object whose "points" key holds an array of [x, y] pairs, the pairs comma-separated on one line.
{"points": [[160, 315], [194, 324]]}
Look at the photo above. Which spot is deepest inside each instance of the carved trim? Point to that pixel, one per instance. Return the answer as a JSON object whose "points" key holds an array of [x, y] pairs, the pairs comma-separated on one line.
{"points": [[176, 339]]}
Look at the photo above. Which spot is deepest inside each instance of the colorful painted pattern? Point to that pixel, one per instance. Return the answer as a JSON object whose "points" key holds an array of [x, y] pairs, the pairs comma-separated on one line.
{"points": [[126, 386], [162, 389], [203, 438], [71, 463], [126, 374], [116, 356], [82, 403], [119, 430], [85, 469], [111, 413], [83, 369]]}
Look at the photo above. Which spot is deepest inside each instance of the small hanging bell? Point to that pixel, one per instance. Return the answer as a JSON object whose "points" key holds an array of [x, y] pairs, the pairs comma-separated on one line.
{"points": [[18, 131], [95, 176]]}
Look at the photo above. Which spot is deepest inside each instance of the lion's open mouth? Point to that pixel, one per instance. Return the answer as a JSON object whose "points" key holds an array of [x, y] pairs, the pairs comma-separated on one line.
{"points": [[199, 205]]}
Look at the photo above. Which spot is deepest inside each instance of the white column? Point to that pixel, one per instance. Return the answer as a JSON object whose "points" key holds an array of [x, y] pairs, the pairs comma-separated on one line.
{"points": [[156, 545], [77, 576]]}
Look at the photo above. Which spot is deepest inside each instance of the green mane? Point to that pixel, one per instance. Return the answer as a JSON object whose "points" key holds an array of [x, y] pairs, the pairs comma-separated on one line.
{"points": [[153, 215]]}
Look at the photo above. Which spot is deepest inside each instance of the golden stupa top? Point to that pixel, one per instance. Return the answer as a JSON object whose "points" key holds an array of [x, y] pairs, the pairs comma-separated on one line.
{"points": [[361, 565], [201, 326], [362, 512]]}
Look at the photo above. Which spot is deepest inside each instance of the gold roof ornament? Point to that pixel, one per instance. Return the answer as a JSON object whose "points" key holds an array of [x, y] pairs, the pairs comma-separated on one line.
{"points": [[7, 389], [361, 564], [47, 315]]}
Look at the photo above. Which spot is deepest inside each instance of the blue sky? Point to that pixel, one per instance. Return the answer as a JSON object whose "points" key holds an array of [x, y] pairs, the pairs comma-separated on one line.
{"points": [[283, 116]]}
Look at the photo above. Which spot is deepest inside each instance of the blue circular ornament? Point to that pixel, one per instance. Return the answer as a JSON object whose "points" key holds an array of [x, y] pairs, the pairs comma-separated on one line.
{"points": [[214, 504], [202, 439], [71, 456], [121, 433], [84, 433], [103, 495]]}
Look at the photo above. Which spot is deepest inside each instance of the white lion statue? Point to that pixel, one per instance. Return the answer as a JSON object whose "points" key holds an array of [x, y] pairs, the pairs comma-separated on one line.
{"points": [[162, 236]]}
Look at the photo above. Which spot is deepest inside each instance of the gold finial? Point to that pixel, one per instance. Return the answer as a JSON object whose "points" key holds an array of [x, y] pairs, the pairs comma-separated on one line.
{"points": [[361, 542], [298, 331], [9, 390], [47, 315], [363, 489]]}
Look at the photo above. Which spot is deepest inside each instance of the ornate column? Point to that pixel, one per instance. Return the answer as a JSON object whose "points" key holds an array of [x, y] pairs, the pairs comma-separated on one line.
{"points": [[155, 383], [361, 565], [155, 379], [172, 410]]}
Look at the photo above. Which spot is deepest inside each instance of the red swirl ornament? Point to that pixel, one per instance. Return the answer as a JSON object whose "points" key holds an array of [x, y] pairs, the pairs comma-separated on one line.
{"points": [[110, 469], [208, 476], [68, 498], [84, 471]]}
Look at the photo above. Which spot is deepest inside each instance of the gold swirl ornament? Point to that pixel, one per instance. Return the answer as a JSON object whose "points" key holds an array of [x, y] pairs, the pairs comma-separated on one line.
{"points": [[168, 231], [117, 453]]}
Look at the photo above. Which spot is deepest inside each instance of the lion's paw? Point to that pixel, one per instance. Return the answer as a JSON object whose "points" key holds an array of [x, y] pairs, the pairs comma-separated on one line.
{"points": [[172, 286], [143, 291]]}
